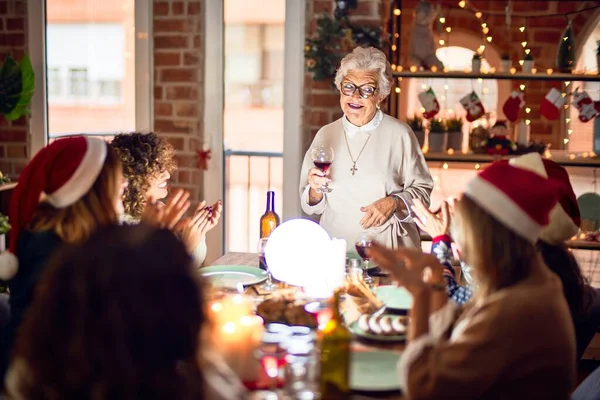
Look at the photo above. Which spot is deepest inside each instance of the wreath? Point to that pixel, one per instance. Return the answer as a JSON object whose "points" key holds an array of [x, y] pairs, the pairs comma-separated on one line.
{"points": [[335, 37]]}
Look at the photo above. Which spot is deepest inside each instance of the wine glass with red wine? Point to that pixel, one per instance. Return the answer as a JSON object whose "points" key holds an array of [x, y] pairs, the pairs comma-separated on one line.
{"points": [[322, 156], [364, 241]]}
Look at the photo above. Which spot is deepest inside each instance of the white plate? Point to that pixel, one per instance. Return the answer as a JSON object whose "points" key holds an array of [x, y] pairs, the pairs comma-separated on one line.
{"points": [[374, 371]]}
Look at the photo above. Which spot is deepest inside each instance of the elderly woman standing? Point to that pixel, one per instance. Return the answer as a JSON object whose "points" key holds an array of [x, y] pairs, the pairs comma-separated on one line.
{"points": [[378, 167]]}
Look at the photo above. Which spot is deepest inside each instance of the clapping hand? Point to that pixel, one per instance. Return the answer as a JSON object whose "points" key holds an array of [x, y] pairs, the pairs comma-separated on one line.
{"points": [[167, 215], [203, 220], [436, 224]]}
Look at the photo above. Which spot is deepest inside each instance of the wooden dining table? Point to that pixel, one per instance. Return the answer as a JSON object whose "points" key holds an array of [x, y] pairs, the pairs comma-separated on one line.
{"points": [[251, 259]]}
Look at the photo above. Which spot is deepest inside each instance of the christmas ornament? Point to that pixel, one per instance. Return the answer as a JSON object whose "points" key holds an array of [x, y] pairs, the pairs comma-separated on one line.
{"points": [[513, 105], [499, 143], [422, 40], [430, 103], [473, 106], [587, 108], [204, 157], [552, 104], [565, 57]]}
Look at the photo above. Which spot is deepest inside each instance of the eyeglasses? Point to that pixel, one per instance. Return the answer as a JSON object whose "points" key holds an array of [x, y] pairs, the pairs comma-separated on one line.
{"points": [[365, 91]]}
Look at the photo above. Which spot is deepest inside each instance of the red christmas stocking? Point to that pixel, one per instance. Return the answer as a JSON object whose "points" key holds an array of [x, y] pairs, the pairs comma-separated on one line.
{"points": [[513, 105], [587, 108], [473, 105], [430, 103], [551, 105]]}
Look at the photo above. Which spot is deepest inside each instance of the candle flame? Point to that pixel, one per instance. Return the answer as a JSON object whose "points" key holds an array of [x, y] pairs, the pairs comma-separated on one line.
{"points": [[229, 328]]}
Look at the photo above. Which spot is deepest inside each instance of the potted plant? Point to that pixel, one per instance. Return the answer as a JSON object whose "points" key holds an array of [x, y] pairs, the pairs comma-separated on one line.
{"points": [[17, 83], [454, 127], [4, 228], [437, 136], [416, 124], [528, 63], [505, 62], [476, 63]]}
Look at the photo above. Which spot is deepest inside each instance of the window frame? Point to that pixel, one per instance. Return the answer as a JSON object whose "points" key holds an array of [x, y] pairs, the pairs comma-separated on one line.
{"points": [[144, 86]]}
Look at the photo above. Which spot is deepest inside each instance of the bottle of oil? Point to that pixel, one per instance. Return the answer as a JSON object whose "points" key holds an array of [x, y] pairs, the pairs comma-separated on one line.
{"points": [[334, 346], [269, 220]]}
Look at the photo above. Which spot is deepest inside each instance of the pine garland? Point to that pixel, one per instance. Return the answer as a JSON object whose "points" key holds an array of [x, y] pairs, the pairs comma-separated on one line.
{"points": [[335, 37]]}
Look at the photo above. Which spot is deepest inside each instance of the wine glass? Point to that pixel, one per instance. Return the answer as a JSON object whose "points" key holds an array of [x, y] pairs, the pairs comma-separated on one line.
{"points": [[322, 156], [262, 263], [364, 241]]}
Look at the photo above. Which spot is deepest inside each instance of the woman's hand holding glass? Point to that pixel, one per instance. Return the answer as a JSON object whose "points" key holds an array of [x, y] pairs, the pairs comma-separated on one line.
{"points": [[322, 157]]}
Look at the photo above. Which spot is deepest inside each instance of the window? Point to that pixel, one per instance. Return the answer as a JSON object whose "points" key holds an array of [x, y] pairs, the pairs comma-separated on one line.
{"points": [[109, 88], [54, 82], [78, 82]]}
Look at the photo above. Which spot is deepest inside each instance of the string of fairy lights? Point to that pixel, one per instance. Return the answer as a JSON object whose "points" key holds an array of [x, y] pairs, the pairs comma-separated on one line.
{"points": [[525, 61]]}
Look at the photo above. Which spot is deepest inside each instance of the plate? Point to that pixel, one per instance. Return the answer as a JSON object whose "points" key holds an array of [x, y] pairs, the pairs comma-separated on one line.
{"points": [[231, 275], [374, 371], [355, 329], [394, 297]]}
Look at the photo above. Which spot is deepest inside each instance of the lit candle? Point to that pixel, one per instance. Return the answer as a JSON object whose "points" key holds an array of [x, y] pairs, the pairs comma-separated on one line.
{"points": [[523, 133]]}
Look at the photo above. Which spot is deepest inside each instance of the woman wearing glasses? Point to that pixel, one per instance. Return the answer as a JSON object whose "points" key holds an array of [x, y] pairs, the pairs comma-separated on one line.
{"points": [[378, 167]]}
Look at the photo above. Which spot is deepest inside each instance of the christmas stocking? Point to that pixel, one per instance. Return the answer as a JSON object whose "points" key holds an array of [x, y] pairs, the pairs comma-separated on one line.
{"points": [[551, 105], [587, 108], [430, 103], [473, 105], [512, 106]]}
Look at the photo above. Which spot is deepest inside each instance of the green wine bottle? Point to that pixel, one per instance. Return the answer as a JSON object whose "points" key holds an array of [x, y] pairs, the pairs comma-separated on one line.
{"points": [[334, 345]]}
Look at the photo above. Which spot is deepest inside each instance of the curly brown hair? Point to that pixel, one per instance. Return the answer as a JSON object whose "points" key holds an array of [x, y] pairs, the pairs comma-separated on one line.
{"points": [[119, 324], [144, 156]]}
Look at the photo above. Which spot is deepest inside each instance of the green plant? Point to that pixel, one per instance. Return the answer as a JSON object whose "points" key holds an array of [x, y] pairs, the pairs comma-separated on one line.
{"points": [[4, 179], [415, 123], [437, 126], [4, 224], [454, 124], [17, 83]]}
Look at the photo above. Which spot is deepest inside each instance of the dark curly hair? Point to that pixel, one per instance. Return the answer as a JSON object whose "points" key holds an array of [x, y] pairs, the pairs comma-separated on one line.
{"points": [[144, 156], [118, 324]]}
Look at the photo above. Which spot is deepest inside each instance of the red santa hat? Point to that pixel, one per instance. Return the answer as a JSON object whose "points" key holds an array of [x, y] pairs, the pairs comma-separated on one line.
{"points": [[517, 197], [565, 218], [60, 174]]}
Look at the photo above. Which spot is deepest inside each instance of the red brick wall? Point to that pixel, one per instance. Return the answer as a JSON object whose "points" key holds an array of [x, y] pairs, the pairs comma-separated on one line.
{"points": [[543, 35], [13, 39], [178, 82]]}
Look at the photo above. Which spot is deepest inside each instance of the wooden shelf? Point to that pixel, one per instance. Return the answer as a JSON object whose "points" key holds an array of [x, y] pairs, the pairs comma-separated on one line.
{"points": [[540, 76], [8, 186], [593, 162]]}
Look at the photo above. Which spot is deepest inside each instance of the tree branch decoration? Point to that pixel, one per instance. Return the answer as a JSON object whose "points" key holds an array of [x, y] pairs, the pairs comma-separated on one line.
{"points": [[335, 37], [17, 83]]}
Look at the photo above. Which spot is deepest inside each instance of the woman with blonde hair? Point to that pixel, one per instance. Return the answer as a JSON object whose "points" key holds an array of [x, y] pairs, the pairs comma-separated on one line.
{"points": [[515, 339], [378, 167], [68, 190]]}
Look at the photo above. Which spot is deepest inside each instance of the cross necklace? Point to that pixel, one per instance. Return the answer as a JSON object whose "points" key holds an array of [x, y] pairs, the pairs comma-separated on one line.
{"points": [[354, 169]]}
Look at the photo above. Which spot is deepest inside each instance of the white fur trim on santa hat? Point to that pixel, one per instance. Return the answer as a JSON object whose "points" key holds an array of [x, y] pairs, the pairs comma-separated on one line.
{"points": [[84, 176], [9, 265], [561, 227], [530, 162], [503, 208]]}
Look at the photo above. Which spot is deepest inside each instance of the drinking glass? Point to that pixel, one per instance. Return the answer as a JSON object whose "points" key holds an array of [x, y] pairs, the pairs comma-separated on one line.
{"points": [[322, 156], [364, 241], [262, 263]]}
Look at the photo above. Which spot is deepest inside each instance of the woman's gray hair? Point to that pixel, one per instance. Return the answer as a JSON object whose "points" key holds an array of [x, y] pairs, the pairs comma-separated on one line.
{"points": [[367, 59]]}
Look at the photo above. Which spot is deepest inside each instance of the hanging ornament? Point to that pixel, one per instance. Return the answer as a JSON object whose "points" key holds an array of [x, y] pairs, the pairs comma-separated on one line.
{"points": [[430, 103], [565, 57], [204, 157], [552, 104], [513, 105], [473, 106], [587, 108]]}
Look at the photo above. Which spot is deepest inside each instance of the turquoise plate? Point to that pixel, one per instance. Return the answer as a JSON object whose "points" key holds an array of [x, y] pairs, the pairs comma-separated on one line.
{"points": [[395, 298], [355, 329], [374, 371], [232, 275]]}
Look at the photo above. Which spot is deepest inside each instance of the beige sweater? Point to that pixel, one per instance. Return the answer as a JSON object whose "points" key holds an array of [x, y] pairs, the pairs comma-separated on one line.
{"points": [[518, 343], [390, 164]]}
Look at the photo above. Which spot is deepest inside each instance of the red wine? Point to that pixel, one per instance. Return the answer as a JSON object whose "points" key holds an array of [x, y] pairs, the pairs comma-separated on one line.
{"points": [[324, 165], [361, 248]]}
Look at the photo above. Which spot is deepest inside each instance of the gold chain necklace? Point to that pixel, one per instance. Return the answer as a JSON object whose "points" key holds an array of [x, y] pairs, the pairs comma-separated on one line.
{"points": [[354, 169]]}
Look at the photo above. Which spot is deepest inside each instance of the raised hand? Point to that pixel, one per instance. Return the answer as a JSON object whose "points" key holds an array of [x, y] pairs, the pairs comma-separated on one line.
{"points": [[436, 224], [203, 220], [168, 215]]}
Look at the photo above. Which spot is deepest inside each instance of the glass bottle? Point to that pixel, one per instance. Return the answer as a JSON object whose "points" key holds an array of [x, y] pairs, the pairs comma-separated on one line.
{"points": [[334, 347], [269, 220]]}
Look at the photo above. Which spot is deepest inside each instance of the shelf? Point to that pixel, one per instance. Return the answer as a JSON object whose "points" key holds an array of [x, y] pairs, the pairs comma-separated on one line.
{"points": [[540, 76], [486, 159], [7, 186]]}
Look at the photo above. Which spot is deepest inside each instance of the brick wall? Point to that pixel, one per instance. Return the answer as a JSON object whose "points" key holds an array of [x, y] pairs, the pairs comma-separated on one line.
{"points": [[178, 82], [543, 34], [13, 39]]}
